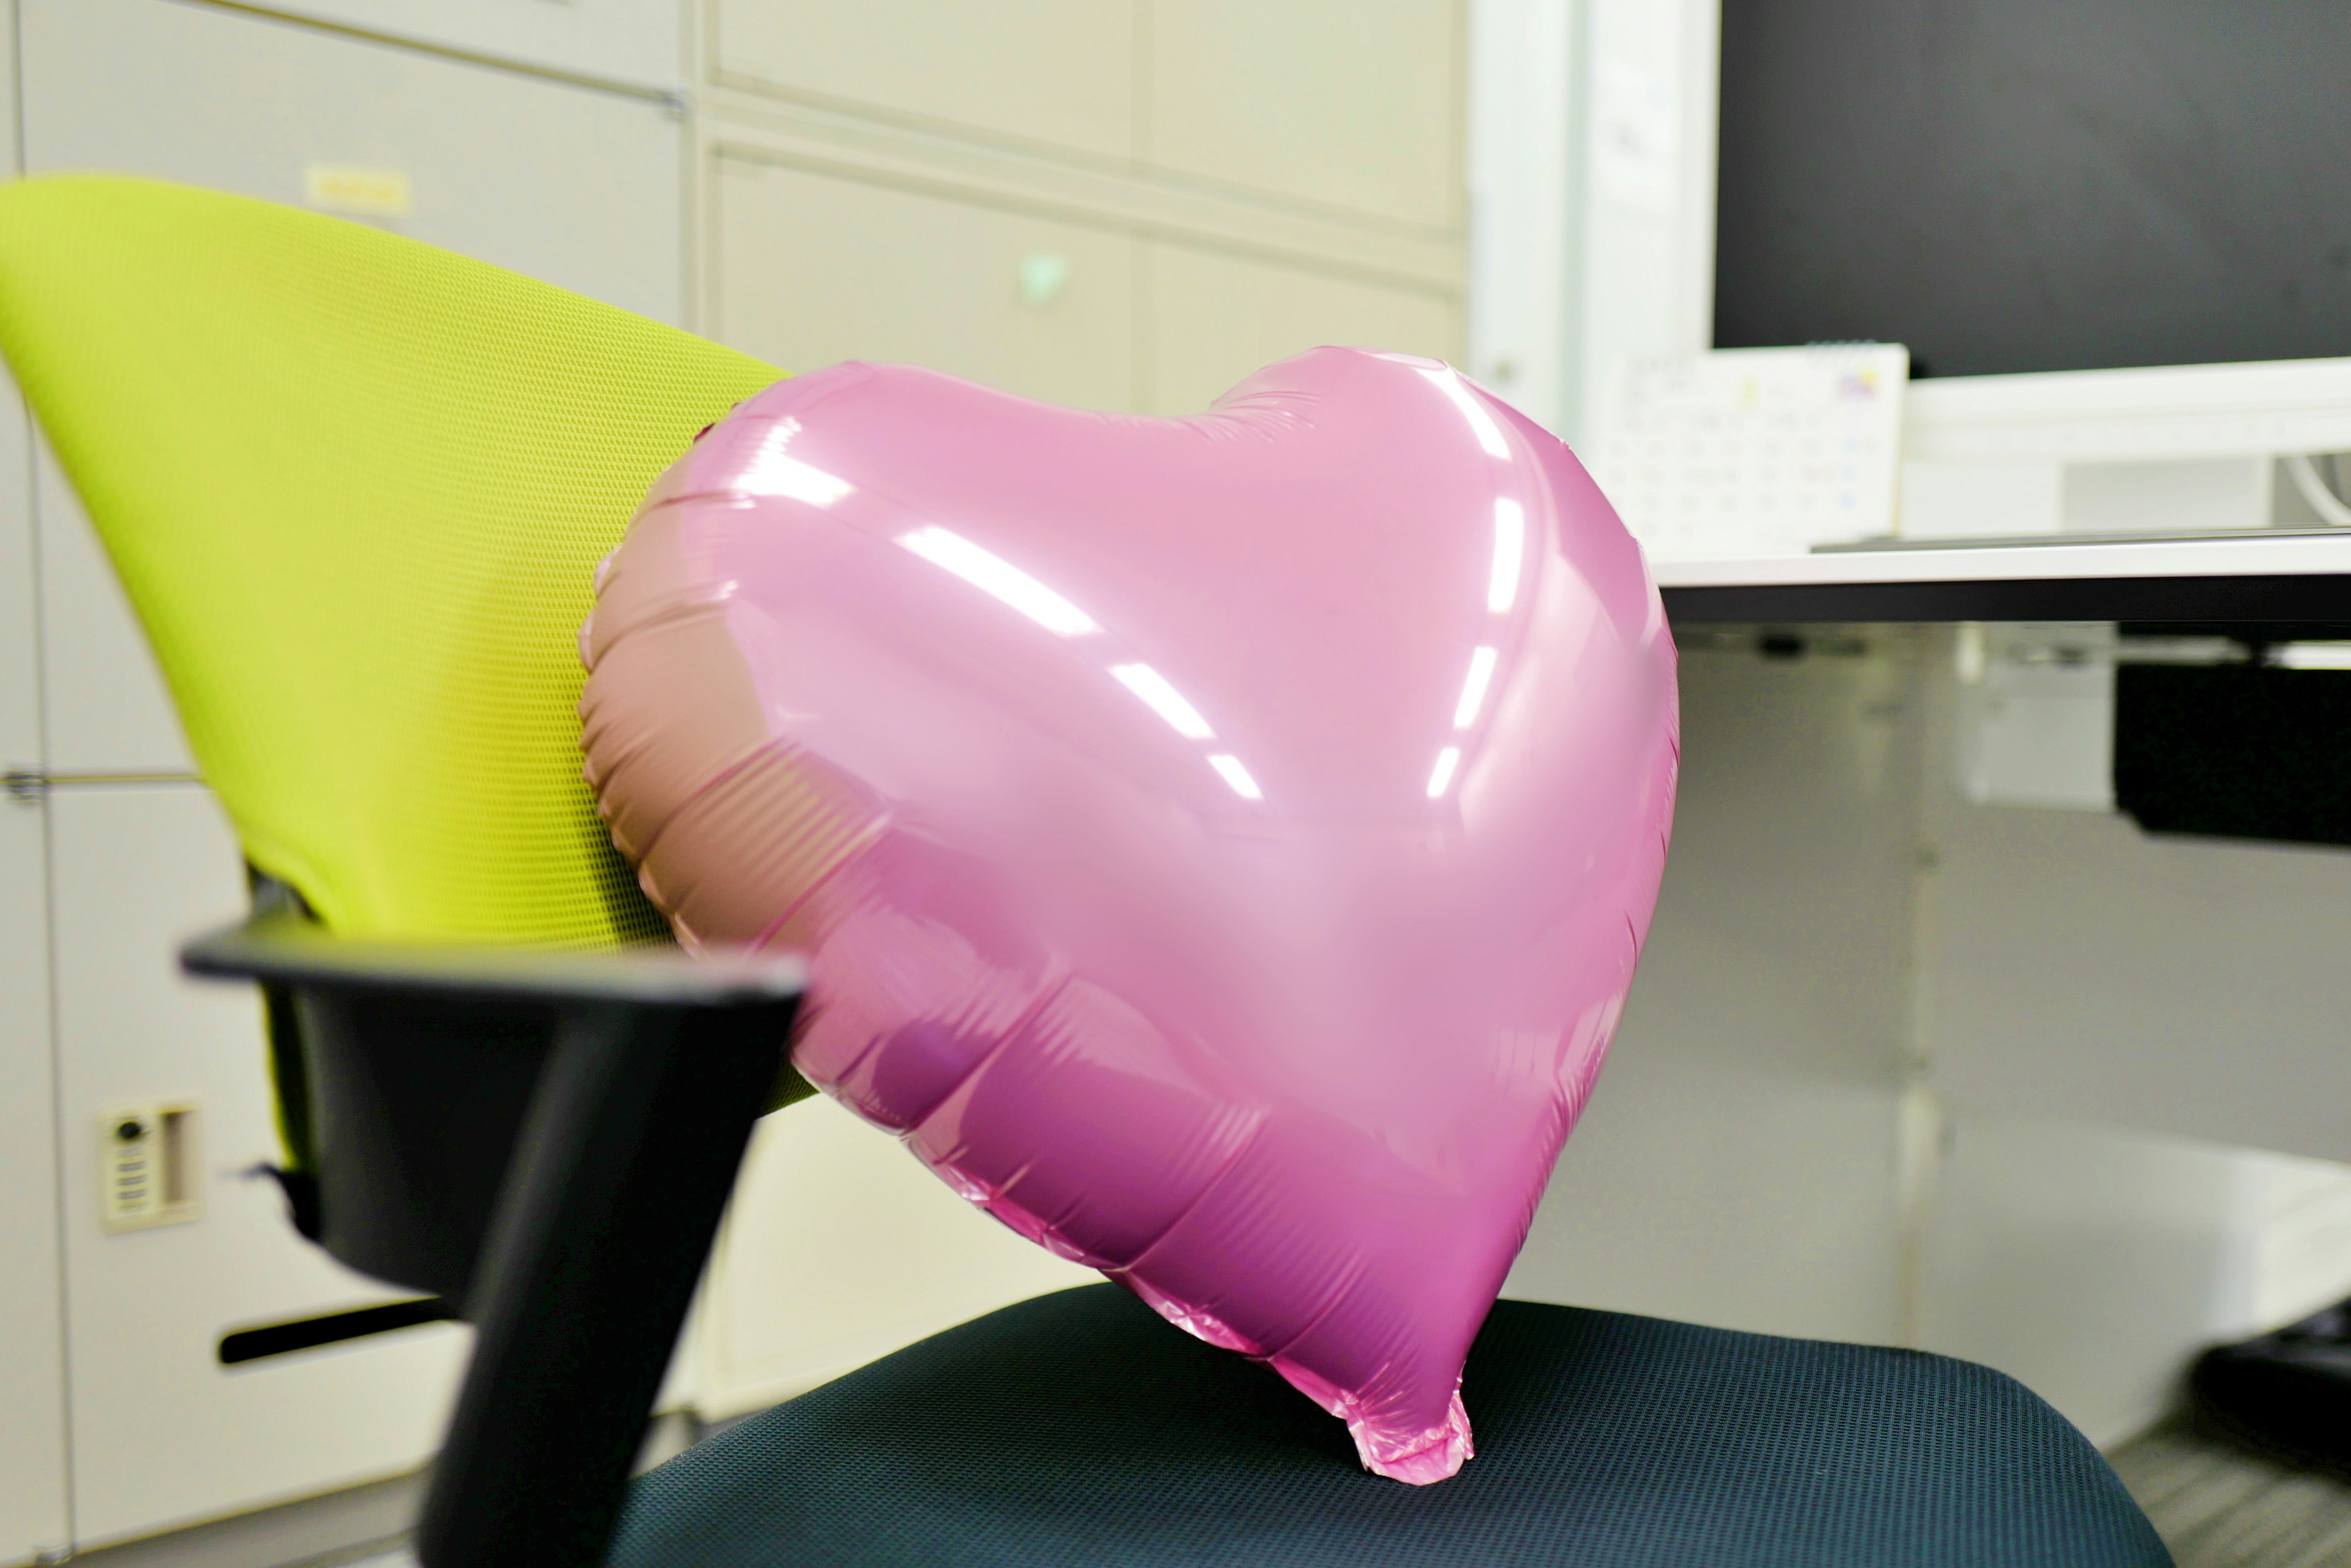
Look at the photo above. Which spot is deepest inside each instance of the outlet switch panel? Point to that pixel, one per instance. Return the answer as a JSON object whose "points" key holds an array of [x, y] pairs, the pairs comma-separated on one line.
{"points": [[148, 1165]]}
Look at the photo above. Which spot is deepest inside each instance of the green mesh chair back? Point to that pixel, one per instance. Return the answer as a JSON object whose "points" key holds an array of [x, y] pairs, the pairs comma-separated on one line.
{"points": [[357, 487]]}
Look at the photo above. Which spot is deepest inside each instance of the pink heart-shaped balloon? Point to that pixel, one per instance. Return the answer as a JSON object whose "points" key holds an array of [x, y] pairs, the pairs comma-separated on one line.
{"points": [[1224, 842]]}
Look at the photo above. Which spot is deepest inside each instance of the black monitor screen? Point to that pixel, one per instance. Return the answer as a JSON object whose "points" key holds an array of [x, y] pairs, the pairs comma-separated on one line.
{"points": [[2037, 184]]}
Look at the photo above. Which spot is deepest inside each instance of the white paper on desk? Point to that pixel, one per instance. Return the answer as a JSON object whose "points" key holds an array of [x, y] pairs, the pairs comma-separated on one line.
{"points": [[1753, 452]]}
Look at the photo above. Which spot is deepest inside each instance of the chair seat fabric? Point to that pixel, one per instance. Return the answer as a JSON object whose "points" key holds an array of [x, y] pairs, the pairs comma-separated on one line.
{"points": [[1079, 1428]]}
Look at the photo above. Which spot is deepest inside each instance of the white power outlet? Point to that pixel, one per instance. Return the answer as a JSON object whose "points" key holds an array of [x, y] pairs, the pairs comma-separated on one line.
{"points": [[148, 1165]]}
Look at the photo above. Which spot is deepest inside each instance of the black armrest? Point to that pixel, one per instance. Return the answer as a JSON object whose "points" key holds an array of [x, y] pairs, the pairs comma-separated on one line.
{"points": [[631, 1095], [282, 948]]}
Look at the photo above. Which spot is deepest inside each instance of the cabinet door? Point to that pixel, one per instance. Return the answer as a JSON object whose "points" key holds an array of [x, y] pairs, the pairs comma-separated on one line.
{"points": [[1348, 104], [162, 1432], [1055, 72], [32, 1370], [813, 270], [578, 187], [20, 684], [839, 1248], [630, 41], [1215, 317]]}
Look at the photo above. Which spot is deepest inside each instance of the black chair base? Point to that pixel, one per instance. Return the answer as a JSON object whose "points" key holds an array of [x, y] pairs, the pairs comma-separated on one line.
{"points": [[1078, 1429], [2288, 1394]]}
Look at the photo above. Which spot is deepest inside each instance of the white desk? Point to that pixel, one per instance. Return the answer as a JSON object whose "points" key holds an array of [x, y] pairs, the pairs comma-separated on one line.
{"points": [[2291, 576]]}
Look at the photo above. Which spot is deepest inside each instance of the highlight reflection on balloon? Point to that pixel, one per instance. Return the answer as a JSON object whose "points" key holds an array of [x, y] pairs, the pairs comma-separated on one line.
{"points": [[1224, 843]]}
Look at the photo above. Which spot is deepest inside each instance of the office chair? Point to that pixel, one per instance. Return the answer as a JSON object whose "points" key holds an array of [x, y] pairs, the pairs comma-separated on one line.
{"points": [[356, 488]]}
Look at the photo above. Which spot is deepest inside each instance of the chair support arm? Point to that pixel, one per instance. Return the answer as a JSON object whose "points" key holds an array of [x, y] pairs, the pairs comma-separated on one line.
{"points": [[658, 1067], [280, 946]]}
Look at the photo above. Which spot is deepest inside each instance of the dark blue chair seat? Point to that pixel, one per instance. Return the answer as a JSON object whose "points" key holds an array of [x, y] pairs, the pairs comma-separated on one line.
{"points": [[1078, 1429]]}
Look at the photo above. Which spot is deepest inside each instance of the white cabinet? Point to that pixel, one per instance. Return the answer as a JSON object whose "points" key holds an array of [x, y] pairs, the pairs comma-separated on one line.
{"points": [[1346, 103], [162, 1431], [1217, 317], [578, 187], [638, 42], [839, 1248], [1736, 1164], [812, 270], [1056, 73]]}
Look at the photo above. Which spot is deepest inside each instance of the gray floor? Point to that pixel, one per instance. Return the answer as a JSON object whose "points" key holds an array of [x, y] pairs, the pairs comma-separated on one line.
{"points": [[344, 1528], [2220, 1506], [366, 1526]]}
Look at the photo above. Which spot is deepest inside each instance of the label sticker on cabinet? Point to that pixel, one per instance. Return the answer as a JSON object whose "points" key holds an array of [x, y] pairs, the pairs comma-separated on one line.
{"points": [[361, 192]]}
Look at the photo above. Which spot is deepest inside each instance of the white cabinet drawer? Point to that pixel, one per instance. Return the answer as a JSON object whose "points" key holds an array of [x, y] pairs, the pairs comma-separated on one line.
{"points": [[839, 1248], [20, 690], [812, 270], [1217, 317], [578, 187], [575, 186], [32, 1374], [20, 695], [1059, 72], [162, 1431], [638, 42], [1346, 103]]}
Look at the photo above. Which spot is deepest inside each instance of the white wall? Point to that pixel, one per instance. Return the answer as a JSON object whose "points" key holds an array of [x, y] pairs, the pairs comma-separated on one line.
{"points": [[1840, 938], [1525, 148], [2091, 1262], [2193, 985], [1592, 166], [1648, 218], [1737, 1164], [2088, 1262], [2133, 1035]]}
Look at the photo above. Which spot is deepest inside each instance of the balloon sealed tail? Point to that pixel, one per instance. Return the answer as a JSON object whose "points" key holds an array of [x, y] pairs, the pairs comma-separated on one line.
{"points": [[1222, 844]]}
